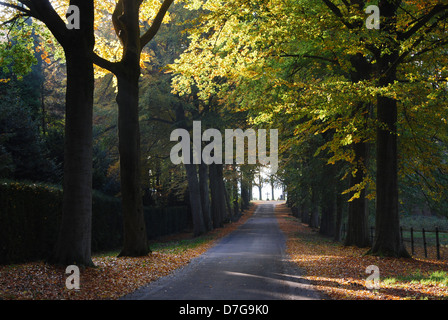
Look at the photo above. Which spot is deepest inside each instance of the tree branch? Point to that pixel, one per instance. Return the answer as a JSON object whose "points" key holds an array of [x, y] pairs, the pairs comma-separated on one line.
{"points": [[422, 21], [16, 7], [337, 12], [152, 31], [310, 57], [113, 67], [44, 11], [401, 58]]}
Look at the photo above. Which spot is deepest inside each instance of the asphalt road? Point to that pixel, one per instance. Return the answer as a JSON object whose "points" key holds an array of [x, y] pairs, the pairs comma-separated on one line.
{"points": [[248, 264]]}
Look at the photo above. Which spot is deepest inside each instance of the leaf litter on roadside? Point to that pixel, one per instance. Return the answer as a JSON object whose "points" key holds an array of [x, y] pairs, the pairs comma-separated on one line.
{"points": [[340, 271], [112, 277]]}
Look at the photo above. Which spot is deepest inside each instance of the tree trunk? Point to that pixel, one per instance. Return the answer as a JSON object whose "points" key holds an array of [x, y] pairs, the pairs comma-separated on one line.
{"points": [[314, 218], [338, 224], [73, 245], [227, 200], [357, 228], [244, 195], [328, 208], [305, 215], [205, 196], [135, 237], [215, 198], [222, 193], [195, 200], [387, 241], [193, 182], [235, 197]]}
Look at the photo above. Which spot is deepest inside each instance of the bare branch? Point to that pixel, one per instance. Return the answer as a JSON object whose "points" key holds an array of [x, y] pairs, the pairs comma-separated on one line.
{"points": [[16, 7]]}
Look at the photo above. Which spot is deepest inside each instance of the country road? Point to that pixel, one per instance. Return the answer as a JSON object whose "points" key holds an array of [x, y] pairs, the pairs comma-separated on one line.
{"points": [[248, 264]]}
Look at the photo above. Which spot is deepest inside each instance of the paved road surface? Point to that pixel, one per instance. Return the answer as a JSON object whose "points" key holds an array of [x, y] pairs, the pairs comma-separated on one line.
{"points": [[248, 264]]}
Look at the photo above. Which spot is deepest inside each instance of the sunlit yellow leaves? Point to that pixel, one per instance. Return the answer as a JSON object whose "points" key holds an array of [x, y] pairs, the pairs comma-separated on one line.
{"points": [[107, 44]]}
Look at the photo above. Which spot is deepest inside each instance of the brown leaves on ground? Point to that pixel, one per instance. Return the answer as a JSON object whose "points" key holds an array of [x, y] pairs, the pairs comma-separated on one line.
{"points": [[112, 277], [340, 272]]}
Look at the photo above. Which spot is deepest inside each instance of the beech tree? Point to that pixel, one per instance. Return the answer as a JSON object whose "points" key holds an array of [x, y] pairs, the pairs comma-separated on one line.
{"points": [[126, 22], [317, 62], [73, 245]]}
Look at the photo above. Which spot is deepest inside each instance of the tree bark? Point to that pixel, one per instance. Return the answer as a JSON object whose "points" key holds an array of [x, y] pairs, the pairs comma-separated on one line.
{"points": [[195, 200], [125, 19], [205, 196], [328, 202], [387, 241], [357, 228], [305, 215], [134, 229], [193, 182], [222, 193], [338, 223], [215, 198], [314, 218], [73, 245], [245, 195]]}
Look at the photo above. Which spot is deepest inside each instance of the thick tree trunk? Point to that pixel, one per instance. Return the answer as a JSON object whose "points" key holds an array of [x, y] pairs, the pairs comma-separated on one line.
{"points": [[222, 193], [328, 209], [357, 228], [205, 196], [387, 241], [135, 238], [195, 200], [245, 190], [338, 223], [193, 182], [228, 205], [305, 215], [314, 217], [216, 205], [73, 245]]}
